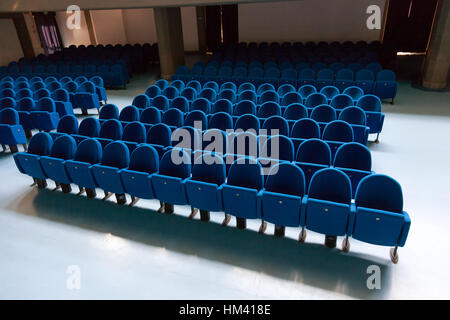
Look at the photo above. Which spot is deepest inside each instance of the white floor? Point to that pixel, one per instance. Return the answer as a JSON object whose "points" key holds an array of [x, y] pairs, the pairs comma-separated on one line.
{"points": [[49, 240]]}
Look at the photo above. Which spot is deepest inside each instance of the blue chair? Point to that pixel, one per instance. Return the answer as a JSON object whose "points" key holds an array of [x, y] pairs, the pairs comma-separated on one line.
{"points": [[134, 134], [141, 101], [196, 119], [306, 76], [137, 178], [178, 84], [313, 155], [160, 102], [159, 137], [150, 116], [129, 114], [153, 91], [45, 117], [62, 102], [201, 104], [246, 86], [276, 125], [371, 104], [281, 198], [290, 98], [278, 147], [169, 183], [111, 130], [86, 97], [228, 86], [268, 109], [265, 87], [272, 75], [330, 92], [289, 76], [325, 77], [386, 85], [180, 103], [7, 93], [28, 162], [108, 111], [355, 161], [306, 90], [211, 85], [221, 120], [88, 153], [222, 105], [54, 165], [194, 84], [41, 93], [11, 132], [365, 80], [88, 128], [99, 88], [115, 157], [53, 86], [295, 111], [67, 125], [269, 96], [247, 122], [316, 99], [162, 84], [248, 95], [344, 79], [204, 187], [353, 116], [327, 209], [72, 88], [379, 217], [170, 92], [173, 117], [240, 192], [189, 93], [341, 101], [208, 94], [23, 93], [227, 94], [355, 92], [244, 107]]}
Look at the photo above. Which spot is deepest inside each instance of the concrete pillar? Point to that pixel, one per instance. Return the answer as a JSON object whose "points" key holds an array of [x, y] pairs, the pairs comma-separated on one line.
{"points": [[436, 66], [201, 28], [169, 32]]}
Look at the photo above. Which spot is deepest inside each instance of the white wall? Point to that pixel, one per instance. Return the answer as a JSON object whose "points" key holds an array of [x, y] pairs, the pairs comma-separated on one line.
{"points": [[307, 20], [109, 26], [75, 36], [11, 50], [139, 25], [190, 32]]}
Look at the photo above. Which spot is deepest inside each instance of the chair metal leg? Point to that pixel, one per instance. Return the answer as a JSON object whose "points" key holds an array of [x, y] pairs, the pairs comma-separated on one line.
{"points": [[194, 212], [241, 223], [394, 255], [134, 200], [346, 244], [330, 241], [121, 198], [302, 235], [25, 147], [107, 196], [226, 220], [4, 147], [168, 208], [13, 148], [80, 191], [279, 231], [204, 215], [262, 227], [377, 141], [161, 207]]}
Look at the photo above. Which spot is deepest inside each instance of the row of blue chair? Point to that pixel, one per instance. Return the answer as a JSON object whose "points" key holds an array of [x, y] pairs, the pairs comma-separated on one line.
{"points": [[11, 131], [282, 198], [113, 75], [384, 85], [159, 133]]}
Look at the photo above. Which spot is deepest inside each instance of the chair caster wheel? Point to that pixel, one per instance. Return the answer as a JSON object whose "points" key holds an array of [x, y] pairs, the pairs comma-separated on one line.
{"points": [[302, 236], [121, 199], [377, 141], [330, 242], [346, 245], [394, 255]]}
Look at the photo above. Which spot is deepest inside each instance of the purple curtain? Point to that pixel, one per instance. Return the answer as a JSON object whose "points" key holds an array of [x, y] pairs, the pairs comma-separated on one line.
{"points": [[48, 31]]}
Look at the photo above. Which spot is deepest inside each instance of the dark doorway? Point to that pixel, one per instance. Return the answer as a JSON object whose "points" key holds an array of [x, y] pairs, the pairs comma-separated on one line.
{"points": [[409, 24], [221, 25]]}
